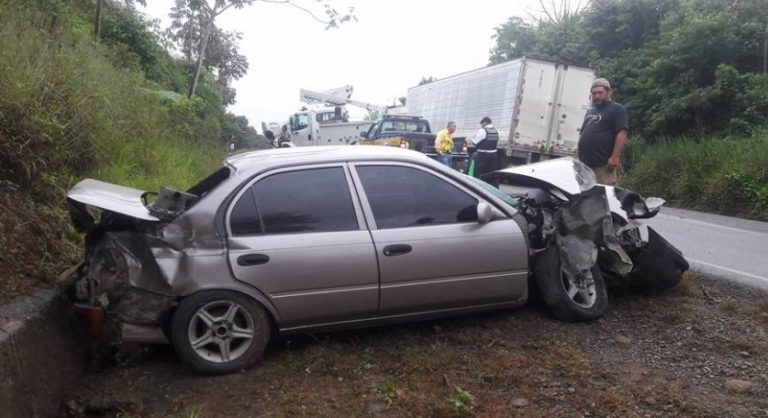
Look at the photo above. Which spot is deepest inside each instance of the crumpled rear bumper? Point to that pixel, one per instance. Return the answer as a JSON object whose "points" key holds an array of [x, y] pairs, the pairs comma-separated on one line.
{"points": [[124, 279]]}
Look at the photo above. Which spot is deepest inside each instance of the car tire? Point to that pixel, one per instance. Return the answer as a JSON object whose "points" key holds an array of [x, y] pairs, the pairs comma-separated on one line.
{"points": [[219, 331], [554, 283]]}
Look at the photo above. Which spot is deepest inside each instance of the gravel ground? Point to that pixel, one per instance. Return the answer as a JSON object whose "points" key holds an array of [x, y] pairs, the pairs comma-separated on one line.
{"points": [[697, 351]]}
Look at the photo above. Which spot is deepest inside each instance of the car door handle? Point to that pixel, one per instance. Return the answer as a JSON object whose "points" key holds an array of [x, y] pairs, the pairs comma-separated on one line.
{"points": [[252, 259], [397, 249]]}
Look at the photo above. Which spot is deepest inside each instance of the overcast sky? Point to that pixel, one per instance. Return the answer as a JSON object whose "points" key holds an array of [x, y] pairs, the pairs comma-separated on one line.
{"points": [[392, 45]]}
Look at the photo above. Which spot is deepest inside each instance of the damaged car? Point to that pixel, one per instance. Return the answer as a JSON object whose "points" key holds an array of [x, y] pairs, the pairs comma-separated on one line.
{"points": [[301, 240]]}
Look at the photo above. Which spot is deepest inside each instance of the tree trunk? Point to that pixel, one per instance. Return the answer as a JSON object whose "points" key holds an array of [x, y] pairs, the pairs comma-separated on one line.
{"points": [[97, 25], [200, 58], [765, 50]]}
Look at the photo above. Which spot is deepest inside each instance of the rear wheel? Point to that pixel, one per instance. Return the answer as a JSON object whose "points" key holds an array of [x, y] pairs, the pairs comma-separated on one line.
{"points": [[570, 298], [216, 332]]}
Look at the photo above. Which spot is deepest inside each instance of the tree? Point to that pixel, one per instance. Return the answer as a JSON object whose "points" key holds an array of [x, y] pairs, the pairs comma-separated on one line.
{"points": [[237, 131], [100, 6], [221, 58], [200, 16], [668, 60], [372, 115], [514, 39]]}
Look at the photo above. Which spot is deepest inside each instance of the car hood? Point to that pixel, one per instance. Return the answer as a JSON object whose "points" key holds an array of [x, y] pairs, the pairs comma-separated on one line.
{"points": [[107, 196], [566, 174]]}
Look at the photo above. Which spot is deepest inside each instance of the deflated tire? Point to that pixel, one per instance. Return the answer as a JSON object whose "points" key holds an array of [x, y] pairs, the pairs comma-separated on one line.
{"points": [[569, 298]]}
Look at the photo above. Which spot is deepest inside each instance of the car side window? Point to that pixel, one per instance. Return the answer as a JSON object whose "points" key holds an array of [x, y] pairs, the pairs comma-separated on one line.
{"points": [[405, 196], [244, 218], [312, 200]]}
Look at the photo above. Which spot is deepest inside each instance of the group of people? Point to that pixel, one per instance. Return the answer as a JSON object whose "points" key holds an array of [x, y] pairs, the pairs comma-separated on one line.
{"points": [[485, 142], [603, 136]]}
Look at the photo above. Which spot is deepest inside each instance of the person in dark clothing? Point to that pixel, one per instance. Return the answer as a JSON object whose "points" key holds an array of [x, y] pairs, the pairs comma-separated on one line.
{"points": [[486, 140], [603, 134]]}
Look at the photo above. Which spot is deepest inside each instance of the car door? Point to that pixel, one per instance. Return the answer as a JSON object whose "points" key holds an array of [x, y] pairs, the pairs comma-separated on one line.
{"points": [[433, 253], [299, 237]]}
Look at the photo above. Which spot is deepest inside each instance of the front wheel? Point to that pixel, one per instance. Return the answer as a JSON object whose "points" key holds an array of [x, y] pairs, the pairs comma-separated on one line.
{"points": [[217, 332], [570, 298]]}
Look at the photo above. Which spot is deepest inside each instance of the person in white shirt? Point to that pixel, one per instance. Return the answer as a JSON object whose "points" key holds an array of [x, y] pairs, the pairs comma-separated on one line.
{"points": [[485, 141]]}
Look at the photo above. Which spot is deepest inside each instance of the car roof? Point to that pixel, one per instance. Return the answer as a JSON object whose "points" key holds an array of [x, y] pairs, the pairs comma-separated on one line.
{"points": [[258, 160]]}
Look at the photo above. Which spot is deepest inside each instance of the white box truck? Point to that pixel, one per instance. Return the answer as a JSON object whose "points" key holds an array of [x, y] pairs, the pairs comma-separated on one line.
{"points": [[538, 106]]}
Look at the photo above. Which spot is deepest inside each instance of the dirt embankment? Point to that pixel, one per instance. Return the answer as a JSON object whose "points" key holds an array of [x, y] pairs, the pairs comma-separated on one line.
{"points": [[35, 243], [699, 351]]}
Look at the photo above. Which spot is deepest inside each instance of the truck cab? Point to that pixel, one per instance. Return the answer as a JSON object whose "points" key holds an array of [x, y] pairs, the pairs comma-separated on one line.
{"points": [[412, 132], [302, 128], [327, 126]]}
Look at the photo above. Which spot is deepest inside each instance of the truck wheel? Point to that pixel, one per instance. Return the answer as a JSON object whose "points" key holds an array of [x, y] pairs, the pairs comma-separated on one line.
{"points": [[219, 331], [569, 299]]}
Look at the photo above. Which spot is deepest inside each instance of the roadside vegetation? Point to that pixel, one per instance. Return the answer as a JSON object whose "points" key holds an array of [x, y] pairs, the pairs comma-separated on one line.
{"points": [[74, 106], [720, 174], [693, 75]]}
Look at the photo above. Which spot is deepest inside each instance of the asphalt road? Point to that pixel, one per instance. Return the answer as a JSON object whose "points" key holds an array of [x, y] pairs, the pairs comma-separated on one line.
{"points": [[714, 245]]}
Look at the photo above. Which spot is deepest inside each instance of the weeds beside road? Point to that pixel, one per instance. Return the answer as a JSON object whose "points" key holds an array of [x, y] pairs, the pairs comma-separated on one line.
{"points": [[716, 174], [699, 351]]}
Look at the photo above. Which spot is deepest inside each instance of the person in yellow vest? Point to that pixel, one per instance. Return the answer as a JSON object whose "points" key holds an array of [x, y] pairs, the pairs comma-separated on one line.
{"points": [[444, 144]]}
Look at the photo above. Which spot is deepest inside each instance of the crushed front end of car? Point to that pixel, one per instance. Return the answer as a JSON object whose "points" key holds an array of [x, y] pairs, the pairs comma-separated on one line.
{"points": [[592, 224]]}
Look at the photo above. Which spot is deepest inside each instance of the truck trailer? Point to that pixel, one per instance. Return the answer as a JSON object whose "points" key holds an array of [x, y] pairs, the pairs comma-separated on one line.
{"points": [[538, 106]]}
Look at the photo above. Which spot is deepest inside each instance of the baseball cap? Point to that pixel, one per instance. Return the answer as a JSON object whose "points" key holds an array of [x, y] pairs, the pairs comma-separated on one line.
{"points": [[601, 82]]}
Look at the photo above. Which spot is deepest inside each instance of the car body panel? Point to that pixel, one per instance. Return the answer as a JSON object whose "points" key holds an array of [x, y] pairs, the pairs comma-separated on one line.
{"points": [[566, 174], [451, 266], [312, 277], [111, 197]]}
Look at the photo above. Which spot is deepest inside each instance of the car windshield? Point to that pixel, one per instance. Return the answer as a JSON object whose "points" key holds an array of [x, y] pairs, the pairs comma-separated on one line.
{"points": [[512, 201]]}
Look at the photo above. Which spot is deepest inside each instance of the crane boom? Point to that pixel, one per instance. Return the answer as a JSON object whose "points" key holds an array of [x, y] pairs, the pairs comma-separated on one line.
{"points": [[333, 98]]}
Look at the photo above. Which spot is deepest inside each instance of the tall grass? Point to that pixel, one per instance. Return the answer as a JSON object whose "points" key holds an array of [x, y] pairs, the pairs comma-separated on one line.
{"points": [[151, 164], [71, 107], [67, 109], [727, 175]]}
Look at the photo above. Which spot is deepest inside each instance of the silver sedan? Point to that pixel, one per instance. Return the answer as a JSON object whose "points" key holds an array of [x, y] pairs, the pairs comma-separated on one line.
{"points": [[307, 239]]}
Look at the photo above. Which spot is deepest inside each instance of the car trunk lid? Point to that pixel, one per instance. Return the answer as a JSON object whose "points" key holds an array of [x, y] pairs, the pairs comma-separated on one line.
{"points": [[107, 196]]}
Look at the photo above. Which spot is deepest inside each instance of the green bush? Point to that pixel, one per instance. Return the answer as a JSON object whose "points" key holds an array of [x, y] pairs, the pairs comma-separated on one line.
{"points": [[74, 107], [67, 110], [722, 174]]}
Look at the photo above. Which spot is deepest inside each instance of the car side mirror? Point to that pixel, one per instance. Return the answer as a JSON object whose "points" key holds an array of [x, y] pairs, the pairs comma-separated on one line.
{"points": [[485, 212]]}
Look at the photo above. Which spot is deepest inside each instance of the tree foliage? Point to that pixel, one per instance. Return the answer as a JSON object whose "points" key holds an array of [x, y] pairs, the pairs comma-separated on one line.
{"points": [[195, 32], [680, 66]]}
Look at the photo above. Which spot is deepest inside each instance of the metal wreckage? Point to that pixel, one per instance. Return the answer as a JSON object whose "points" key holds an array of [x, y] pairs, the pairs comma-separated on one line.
{"points": [[144, 256]]}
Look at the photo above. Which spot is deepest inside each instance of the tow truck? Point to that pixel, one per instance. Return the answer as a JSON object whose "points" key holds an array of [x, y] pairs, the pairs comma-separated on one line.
{"points": [[325, 121]]}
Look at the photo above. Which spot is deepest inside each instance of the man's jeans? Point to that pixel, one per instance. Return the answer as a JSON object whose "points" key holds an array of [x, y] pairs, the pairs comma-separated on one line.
{"points": [[446, 159]]}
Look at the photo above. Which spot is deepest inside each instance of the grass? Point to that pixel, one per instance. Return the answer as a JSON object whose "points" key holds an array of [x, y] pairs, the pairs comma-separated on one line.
{"points": [[147, 165], [72, 107], [727, 175]]}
